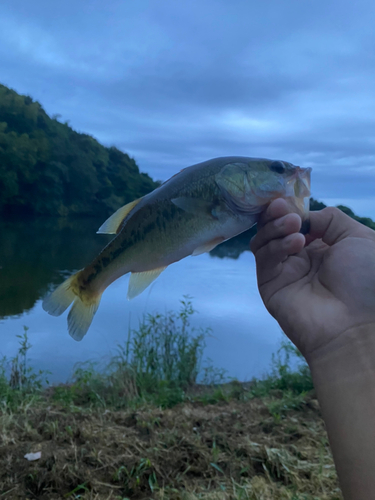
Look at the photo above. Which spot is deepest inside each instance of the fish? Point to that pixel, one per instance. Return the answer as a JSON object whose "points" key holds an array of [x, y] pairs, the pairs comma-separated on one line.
{"points": [[189, 214]]}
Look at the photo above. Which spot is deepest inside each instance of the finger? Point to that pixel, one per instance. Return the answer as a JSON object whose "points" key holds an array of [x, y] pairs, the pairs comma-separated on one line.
{"points": [[276, 209], [275, 229], [332, 225], [270, 257]]}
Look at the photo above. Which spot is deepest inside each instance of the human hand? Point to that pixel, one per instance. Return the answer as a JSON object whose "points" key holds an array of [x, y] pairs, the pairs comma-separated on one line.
{"points": [[320, 286]]}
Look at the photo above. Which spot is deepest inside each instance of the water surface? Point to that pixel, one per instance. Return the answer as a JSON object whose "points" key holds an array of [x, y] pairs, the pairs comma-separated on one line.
{"points": [[35, 255]]}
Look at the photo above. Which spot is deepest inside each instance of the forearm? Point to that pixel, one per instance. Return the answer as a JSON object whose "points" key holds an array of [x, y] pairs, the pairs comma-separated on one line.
{"points": [[344, 378]]}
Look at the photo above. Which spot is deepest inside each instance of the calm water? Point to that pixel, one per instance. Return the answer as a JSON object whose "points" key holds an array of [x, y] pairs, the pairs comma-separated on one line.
{"points": [[35, 255]]}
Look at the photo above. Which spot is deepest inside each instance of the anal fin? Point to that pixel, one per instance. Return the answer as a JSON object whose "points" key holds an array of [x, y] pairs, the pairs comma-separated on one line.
{"points": [[140, 281], [112, 225], [208, 246]]}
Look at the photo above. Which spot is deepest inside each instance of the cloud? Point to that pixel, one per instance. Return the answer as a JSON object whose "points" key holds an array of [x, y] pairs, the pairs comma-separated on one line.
{"points": [[174, 83]]}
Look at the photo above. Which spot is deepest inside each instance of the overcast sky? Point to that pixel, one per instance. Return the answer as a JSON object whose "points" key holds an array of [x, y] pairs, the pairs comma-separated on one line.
{"points": [[175, 82]]}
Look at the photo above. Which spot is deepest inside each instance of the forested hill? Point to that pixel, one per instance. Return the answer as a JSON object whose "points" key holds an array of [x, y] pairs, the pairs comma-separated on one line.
{"points": [[318, 205], [48, 168]]}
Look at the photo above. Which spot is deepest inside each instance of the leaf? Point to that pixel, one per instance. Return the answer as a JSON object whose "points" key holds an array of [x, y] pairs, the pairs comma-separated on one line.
{"points": [[216, 467]]}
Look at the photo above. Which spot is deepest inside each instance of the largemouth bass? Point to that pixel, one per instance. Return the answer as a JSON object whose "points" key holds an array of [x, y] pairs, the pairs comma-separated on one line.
{"points": [[189, 214]]}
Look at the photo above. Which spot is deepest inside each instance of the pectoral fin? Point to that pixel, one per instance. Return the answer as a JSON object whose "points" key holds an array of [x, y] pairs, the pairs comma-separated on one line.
{"points": [[194, 205], [140, 281], [112, 225], [207, 247]]}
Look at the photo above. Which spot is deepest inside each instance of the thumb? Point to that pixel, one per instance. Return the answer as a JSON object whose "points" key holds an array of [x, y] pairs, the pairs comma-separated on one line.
{"points": [[332, 225]]}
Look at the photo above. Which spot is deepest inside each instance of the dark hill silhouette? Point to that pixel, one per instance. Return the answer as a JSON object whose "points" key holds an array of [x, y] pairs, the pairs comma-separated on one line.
{"points": [[47, 168]]}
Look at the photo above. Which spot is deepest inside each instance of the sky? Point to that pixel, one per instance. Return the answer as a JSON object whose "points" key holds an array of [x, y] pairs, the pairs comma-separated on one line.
{"points": [[175, 83]]}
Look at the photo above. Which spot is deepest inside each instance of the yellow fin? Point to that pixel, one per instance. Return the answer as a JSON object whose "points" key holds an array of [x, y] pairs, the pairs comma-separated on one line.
{"points": [[112, 225], [61, 298], [140, 281], [81, 314], [80, 317], [208, 246]]}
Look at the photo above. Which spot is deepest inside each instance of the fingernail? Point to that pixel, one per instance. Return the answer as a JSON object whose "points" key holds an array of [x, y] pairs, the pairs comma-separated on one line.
{"points": [[279, 222]]}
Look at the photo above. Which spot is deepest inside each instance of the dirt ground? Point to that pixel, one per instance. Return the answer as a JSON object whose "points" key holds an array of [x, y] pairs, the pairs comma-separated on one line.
{"points": [[236, 449]]}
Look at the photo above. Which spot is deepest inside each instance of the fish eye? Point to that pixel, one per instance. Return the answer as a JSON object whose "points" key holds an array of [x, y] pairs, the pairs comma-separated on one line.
{"points": [[278, 167]]}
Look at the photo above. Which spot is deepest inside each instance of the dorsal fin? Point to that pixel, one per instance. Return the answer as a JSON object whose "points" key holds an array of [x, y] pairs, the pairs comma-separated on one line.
{"points": [[112, 224]]}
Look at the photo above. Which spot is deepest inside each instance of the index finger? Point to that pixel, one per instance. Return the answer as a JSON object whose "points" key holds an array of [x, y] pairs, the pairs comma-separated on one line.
{"points": [[276, 209]]}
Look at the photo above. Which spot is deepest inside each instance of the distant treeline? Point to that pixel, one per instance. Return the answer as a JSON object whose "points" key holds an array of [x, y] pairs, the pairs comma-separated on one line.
{"points": [[48, 168], [366, 221]]}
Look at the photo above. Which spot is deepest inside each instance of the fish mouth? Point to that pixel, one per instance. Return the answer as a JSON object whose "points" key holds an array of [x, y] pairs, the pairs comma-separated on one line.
{"points": [[299, 183], [298, 189]]}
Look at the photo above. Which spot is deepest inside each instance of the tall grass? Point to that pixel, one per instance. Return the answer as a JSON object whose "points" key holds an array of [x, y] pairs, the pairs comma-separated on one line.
{"points": [[165, 351], [19, 382], [158, 364], [284, 376]]}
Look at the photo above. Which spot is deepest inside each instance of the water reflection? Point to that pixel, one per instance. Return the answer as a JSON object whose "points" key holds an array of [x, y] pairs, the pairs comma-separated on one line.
{"points": [[36, 254], [234, 247]]}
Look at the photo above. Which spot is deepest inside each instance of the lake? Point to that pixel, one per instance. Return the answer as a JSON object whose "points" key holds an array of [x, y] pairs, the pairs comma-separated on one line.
{"points": [[36, 254]]}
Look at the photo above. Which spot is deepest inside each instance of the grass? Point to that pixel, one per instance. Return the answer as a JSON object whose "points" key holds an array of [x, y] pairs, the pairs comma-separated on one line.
{"points": [[157, 364], [142, 428]]}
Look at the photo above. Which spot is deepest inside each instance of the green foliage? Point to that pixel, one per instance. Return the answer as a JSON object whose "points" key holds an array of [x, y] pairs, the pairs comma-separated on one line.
{"points": [[48, 168], [283, 377], [316, 205], [158, 363], [278, 407], [164, 351], [363, 220], [366, 221], [19, 382], [131, 478]]}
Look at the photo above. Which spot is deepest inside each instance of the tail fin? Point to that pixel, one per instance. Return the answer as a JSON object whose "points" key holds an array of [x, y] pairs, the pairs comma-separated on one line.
{"points": [[59, 300], [81, 316], [82, 312]]}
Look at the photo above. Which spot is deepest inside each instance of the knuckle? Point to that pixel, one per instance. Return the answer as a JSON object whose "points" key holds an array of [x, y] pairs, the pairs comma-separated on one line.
{"points": [[274, 247], [331, 211]]}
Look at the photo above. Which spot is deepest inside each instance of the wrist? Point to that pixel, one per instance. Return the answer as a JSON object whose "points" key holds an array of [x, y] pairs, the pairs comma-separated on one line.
{"points": [[351, 354], [344, 377]]}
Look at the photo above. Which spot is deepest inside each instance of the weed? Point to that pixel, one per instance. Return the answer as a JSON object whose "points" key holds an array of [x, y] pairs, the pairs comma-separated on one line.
{"points": [[288, 401], [157, 364], [19, 382], [165, 352], [140, 475], [283, 377]]}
